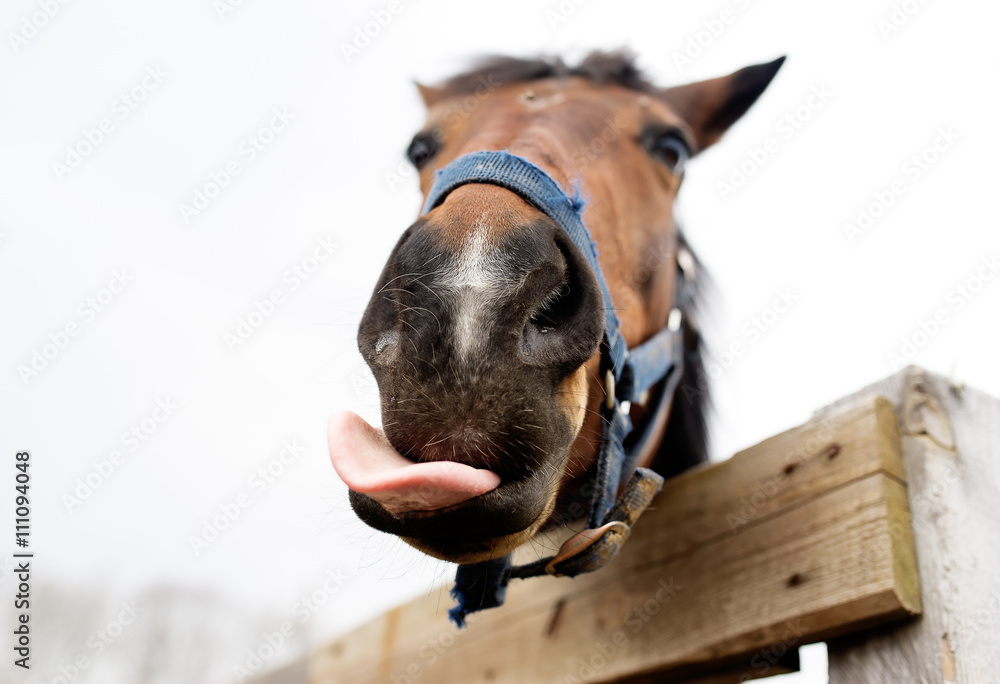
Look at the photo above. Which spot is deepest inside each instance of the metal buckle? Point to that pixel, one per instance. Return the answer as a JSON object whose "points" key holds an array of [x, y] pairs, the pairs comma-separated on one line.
{"points": [[674, 319], [581, 541]]}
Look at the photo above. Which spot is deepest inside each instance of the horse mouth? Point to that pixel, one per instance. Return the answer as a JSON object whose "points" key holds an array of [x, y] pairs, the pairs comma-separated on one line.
{"points": [[498, 521], [446, 509]]}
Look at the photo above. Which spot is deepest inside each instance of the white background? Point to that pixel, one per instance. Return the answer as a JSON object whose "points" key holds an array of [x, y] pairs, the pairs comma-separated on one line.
{"points": [[332, 173]]}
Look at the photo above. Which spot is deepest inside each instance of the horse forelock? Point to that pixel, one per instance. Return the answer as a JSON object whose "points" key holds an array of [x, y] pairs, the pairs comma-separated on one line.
{"points": [[599, 66]]}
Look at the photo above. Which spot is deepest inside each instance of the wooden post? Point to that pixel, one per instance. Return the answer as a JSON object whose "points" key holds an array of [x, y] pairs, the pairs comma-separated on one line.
{"points": [[950, 437], [801, 538]]}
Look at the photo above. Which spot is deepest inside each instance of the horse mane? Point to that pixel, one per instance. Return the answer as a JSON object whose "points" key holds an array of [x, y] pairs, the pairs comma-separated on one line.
{"points": [[685, 441], [600, 66]]}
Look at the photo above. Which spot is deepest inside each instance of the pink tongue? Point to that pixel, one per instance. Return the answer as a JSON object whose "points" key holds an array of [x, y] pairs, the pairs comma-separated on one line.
{"points": [[368, 464]]}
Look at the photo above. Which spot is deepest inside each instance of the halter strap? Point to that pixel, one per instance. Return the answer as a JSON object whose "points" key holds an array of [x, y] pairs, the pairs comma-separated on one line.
{"points": [[538, 188], [628, 375]]}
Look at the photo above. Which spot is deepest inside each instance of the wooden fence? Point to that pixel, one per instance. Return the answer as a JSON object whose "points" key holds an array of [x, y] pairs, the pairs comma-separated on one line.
{"points": [[817, 534]]}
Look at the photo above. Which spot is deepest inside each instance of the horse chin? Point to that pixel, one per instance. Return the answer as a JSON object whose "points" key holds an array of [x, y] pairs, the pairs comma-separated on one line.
{"points": [[465, 551]]}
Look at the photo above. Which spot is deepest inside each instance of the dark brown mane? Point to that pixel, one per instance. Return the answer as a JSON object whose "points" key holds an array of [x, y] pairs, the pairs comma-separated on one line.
{"points": [[617, 66], [686, 442]]}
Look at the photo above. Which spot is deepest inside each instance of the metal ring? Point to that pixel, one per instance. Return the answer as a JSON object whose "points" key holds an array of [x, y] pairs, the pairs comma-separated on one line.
{"points": [[674, 320], [581, 541]]}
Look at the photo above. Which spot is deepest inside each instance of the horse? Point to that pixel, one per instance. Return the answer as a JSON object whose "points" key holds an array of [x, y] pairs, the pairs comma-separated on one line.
{"points": [[488, 328]]}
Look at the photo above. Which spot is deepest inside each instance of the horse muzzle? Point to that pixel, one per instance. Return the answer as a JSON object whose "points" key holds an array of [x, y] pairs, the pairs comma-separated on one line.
{"points": [[447, 509]]}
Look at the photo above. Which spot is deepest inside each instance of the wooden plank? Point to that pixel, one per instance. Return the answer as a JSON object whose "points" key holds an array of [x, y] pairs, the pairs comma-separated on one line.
{"points": [[738, 671], [951, 445], [739, 563]]}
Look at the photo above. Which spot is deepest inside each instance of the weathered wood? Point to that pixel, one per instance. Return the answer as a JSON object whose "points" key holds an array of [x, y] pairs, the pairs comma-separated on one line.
{"points": [[951, 443], [795, 540], [739, 671]]}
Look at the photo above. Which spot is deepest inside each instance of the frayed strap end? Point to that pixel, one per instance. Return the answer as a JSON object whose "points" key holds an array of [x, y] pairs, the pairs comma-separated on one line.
{"points": [[479, 586]]}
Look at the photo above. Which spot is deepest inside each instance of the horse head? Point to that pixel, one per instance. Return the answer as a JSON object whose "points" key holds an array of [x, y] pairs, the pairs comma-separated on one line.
{"points": [[485, 326]]}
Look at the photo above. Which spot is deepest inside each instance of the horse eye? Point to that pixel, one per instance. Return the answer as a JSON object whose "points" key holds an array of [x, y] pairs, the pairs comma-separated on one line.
{"points": [[423, 147], [672, 150]]}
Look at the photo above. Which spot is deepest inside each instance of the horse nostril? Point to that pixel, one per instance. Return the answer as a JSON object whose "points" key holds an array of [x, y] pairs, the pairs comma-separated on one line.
{"points": [[565, 327], [554, 309]]}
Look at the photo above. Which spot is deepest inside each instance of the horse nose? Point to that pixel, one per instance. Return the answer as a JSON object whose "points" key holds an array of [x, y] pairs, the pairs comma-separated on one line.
{"points": [[511, 296], [566, 313]]}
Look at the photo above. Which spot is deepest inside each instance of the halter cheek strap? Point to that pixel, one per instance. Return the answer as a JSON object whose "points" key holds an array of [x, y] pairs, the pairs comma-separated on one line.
{"points": [[629, 374]]}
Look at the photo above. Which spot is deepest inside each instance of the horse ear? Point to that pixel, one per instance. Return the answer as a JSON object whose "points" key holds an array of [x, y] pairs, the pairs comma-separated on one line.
{"points": [[429, 94], [710, 107]]}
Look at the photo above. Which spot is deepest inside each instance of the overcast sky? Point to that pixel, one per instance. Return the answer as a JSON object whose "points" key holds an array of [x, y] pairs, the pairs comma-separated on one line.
{"points": [[182, 348]]}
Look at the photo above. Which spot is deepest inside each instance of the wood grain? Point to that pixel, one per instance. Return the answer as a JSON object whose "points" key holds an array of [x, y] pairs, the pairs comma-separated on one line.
{"points": [[797, 539], [951, 444]]}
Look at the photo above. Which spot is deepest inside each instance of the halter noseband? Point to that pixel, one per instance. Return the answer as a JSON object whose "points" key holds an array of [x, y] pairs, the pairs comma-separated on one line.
{"points": [[629, 374]]}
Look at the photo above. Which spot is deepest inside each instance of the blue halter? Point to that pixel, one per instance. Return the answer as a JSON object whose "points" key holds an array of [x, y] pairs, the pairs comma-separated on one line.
{"points": [[629, 374]]}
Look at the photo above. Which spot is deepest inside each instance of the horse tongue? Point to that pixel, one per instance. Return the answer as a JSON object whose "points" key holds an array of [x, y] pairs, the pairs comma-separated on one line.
{"points": [[368, 464]]}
